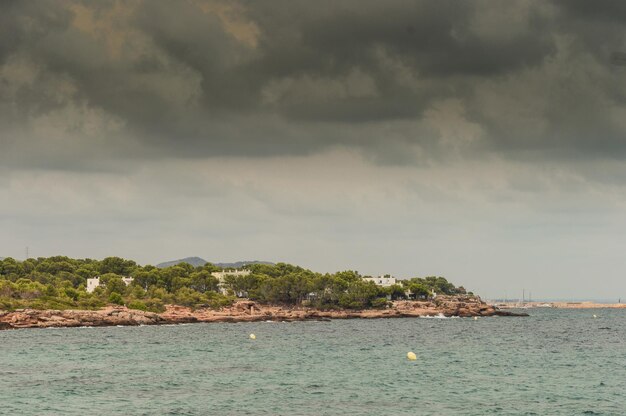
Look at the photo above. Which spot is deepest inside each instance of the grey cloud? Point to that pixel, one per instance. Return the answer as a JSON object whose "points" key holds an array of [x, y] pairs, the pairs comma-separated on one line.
{"points": [[206, 79], [434, 37], [608, 10]]}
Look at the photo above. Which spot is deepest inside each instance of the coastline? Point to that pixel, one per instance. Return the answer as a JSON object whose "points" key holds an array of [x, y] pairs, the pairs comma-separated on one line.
{"points": [[242, 311]]}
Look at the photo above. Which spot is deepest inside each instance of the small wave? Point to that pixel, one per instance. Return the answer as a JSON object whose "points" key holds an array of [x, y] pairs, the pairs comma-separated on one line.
{"points": [[438, 316]]}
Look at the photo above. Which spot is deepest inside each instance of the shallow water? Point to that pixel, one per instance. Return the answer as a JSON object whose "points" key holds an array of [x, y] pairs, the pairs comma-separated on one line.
{"points": [[555, 362]]}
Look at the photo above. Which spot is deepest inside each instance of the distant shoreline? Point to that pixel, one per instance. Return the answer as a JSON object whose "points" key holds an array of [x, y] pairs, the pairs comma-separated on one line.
{"points": [[558, 305]]}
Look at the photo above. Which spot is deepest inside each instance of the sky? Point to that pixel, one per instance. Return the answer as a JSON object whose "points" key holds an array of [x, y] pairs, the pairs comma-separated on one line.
{"points": [[482, 141]]}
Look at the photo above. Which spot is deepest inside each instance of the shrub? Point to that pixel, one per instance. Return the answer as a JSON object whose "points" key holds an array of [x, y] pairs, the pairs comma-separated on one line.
{"points": [[217, 300], [116, 298], [155, 305], [379, 303], [139, 305], [91, 302]]}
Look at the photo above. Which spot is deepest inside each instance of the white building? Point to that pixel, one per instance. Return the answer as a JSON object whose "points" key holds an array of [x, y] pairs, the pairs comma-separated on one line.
{"points": [[222, 275], [384, 281], [92, 284]]}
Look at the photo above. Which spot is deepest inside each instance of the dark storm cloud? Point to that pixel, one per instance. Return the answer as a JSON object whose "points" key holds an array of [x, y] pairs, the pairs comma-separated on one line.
{"points": [[607, 10], [434, 38], [148, 78], [22, 23]]}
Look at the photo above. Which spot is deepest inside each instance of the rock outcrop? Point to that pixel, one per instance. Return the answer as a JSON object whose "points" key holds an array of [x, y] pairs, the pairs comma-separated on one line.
{"points": [[243, 311], [32, 318]]}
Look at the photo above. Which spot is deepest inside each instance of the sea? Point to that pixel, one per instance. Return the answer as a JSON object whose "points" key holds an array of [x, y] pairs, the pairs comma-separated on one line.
{"points": [[554, 362]]}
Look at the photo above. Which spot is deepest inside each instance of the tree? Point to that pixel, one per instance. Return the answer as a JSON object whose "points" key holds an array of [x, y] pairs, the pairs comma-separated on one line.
{"points": [[396, 292], [137, 292], [349, 276], [359, 295], [179, 282], [113, 283], [189, 297], [10, 267], [27, 289], [59, 282], [145, 279], [86, 272], [419, 290], [203, 281], [188, 268], [209, 267], [243, 285], [71, 293], [54, 265], [167, 276], [117, 265]]}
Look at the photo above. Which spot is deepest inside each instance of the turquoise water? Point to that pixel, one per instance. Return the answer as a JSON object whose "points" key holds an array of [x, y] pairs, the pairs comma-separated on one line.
{"points": [[555, 362]]}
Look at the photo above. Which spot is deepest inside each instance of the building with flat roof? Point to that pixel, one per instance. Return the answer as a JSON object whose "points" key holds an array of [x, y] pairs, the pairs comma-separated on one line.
{"points": [[93, 283], [221, 276], [384, 281]]}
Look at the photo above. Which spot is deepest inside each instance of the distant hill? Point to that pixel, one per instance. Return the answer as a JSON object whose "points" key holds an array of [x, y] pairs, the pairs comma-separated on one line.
{"points": [[194, 261], [197, 261]]}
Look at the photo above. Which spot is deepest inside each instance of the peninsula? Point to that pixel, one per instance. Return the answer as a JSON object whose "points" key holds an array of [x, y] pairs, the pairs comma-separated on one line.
{"points": [[64, 292]]}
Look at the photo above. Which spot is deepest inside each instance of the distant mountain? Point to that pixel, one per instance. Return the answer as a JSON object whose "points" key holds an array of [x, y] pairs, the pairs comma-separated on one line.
{"points": [[197, 261], [194, 261]]}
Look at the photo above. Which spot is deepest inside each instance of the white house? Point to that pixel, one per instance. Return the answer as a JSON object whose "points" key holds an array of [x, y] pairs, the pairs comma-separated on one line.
{"points": [[384, 281], [92, 284], [222, 275]]}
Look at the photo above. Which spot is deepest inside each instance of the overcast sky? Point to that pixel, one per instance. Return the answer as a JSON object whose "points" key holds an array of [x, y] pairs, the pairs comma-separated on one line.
{"points": [[484, 141]]}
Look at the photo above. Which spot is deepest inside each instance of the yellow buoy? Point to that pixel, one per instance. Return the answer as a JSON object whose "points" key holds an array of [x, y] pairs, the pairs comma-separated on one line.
{"points": [[595, 316], [252, 336], [411, 356], [476, 318]]}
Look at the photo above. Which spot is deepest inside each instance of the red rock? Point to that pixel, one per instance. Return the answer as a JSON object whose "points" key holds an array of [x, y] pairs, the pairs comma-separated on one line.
{"points": [[241, 311]]}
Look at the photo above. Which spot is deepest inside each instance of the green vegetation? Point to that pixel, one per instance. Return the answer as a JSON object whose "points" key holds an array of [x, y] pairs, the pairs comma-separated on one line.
{"points": [[60, 282]]}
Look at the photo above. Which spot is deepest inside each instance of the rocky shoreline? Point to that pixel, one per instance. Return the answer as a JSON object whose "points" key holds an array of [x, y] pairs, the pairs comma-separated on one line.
{"points": [[242, 311]]}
